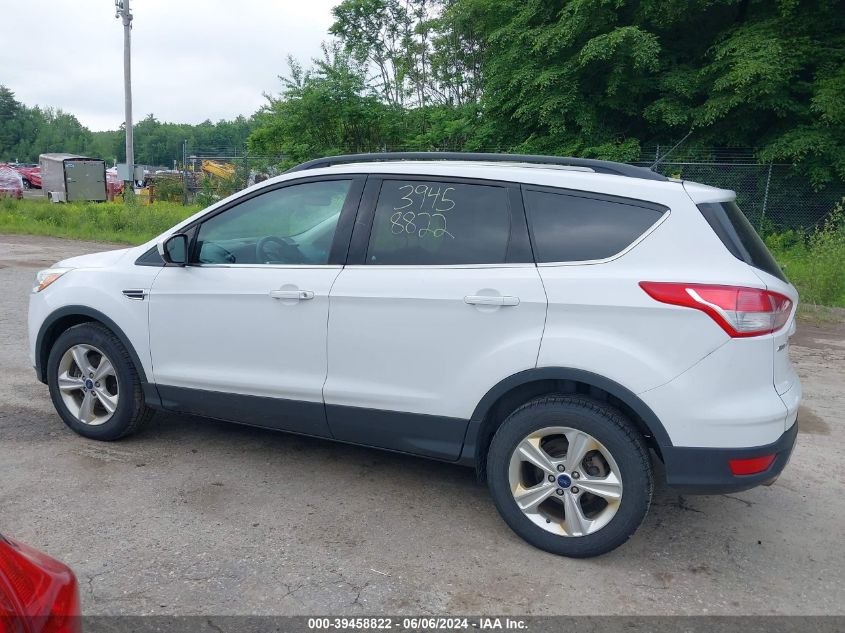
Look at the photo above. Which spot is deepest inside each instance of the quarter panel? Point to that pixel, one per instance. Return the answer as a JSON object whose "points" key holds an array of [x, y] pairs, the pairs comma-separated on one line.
{"points": [[727, 400], [601, 321]]}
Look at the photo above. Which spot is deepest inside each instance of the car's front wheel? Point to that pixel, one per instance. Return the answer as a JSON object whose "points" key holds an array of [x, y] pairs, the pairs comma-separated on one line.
{"points": [[570, 475], [94, 385]]}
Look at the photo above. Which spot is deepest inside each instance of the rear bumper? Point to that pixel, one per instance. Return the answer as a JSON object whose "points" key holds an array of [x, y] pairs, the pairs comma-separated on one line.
{"points": [[706, 470]]}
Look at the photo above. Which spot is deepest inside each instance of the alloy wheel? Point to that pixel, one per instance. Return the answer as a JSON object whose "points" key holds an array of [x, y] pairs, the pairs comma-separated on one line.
{"points": [[565, 481], [88, 384]]}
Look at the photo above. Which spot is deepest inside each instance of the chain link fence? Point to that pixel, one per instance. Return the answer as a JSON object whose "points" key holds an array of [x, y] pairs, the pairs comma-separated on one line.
{"points": [[775, 197], [207, 174]]}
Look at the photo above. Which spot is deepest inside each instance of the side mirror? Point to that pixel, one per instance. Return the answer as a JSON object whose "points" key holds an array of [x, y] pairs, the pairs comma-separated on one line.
{"points": [[174, 250]]}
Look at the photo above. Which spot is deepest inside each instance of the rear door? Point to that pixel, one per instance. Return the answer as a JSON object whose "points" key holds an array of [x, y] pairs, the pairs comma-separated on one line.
{"points": [[439, 302]]}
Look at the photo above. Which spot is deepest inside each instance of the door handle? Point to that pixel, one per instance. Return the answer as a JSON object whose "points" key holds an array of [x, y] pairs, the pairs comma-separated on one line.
{"points": [[292, 294], [479, 300]]}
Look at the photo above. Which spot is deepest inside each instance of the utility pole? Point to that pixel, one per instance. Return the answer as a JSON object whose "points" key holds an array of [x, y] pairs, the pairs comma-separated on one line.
{"points": [[122, 11]]}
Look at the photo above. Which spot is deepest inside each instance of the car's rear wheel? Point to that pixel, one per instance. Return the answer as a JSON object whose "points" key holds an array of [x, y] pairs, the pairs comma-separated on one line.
{"points": [[94, 385], [570, 475]]}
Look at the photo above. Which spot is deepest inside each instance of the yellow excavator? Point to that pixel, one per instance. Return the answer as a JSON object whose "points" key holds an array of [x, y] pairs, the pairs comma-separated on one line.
{"points": [[221, 170]]}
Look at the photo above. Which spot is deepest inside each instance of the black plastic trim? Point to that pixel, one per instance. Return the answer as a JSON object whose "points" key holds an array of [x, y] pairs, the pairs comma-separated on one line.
{"points": [[598, 166], [519, 247], [364, 221], [41, 353], [432, 436], [151, 257], [469, 454], [295, 416], [706, 470]]}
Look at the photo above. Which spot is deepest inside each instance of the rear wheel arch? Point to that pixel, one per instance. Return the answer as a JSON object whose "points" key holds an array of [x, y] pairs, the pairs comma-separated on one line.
{"points": [[514, 391]]}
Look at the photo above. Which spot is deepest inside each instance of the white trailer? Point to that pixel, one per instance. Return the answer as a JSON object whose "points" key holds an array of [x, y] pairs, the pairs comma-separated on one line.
{"points": [[68, 177]]}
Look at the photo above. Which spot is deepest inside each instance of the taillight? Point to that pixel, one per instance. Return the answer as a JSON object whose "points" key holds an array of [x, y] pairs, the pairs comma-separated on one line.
{"points": [[738, 310], [38, 590]]}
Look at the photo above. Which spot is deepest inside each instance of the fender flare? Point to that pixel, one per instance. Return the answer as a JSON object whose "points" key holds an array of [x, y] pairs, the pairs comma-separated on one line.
{"points": [[49, 323], [625, 395]]}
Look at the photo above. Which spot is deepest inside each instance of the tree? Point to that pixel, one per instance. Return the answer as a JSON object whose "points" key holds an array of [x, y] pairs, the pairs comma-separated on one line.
{"points": [[325, 110], [601, 78]]}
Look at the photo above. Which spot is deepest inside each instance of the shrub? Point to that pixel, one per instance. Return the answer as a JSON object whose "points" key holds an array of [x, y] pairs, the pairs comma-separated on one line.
{"points": [[815, 263]]}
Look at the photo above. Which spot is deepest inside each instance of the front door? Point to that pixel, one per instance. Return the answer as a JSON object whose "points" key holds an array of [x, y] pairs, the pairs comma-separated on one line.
{"points": [[240, 333]]}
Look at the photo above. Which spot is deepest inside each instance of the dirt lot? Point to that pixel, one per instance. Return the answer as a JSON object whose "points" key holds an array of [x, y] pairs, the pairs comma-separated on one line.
{"points": [[197, 516]]}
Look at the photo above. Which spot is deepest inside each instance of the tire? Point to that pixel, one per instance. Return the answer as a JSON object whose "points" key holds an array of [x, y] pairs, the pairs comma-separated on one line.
{"points": [[26, 184], [121, 387], [618, 454]]}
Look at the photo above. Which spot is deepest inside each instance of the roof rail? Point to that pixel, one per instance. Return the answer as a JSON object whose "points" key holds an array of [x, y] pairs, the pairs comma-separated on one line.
{"points": [[598, 166]]}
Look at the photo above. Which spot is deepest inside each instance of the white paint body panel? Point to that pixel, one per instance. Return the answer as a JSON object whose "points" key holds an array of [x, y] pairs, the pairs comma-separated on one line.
{"points": [[217, 328], [403, 339], [100, 287]]}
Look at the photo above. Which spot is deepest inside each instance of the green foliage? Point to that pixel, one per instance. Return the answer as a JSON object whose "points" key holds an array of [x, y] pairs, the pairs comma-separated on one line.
{"points": [[325, 111], [27, 132], [106, 222], [592, 77], [815, 263], [168, 188], [214, 188]]}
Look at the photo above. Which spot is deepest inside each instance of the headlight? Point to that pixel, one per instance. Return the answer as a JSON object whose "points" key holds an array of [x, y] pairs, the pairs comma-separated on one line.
{"points": [[45, 277]]}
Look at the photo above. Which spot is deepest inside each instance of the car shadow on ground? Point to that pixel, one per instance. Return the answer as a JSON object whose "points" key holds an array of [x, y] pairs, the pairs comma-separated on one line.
{"points": [[253, 453]]}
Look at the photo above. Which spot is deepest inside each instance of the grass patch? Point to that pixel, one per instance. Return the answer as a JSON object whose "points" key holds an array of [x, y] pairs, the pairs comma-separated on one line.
{"points": [[99, 222], [815, 262]]}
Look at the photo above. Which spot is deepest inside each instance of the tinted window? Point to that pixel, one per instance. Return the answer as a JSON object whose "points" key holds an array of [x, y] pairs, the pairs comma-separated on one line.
{"points": [[739, 237], [292, 225], [438, 223], [568, 228]]}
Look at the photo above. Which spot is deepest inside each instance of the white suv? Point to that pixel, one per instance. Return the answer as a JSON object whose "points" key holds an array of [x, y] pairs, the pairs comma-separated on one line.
{"points": [[549, 321]]}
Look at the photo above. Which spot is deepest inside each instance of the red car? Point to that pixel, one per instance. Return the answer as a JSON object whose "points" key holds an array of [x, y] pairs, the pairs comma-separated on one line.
{"points": [[38, 594], [31, 176], [11, 183]]}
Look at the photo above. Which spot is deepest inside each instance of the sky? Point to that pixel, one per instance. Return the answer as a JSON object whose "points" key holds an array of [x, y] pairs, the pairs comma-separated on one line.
{"points": [[191, 61]]}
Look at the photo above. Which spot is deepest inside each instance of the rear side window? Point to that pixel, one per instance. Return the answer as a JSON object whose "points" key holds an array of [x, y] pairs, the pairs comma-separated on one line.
{"points": [[739, 237], [571, 228], [439, 223]]}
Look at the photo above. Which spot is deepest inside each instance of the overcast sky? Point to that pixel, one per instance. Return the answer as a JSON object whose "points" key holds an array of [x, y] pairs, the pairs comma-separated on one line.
{"points": [[191, 61]]}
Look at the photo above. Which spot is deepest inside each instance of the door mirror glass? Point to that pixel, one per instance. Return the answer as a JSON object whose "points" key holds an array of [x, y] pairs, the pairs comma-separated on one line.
{"points": [[174, 250]]}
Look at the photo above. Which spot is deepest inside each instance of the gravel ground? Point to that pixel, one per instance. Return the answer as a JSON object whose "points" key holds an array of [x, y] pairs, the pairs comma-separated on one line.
{"points": [[194, 516]]}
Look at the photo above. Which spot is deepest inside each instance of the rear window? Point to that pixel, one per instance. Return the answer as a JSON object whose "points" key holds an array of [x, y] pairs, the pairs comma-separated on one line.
{"points": [[739, 237], [571, 228]]}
